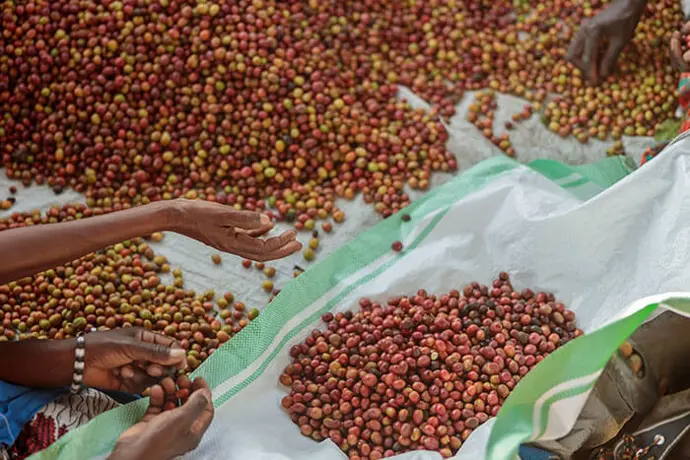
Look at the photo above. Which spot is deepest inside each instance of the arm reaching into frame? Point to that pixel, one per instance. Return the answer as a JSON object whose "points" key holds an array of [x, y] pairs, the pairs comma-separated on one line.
{"points": [[29, 250], [616, 25]]}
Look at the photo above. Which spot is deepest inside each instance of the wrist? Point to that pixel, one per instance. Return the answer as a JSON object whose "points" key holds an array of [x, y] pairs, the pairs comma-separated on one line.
{"points": [[179, 215], [60, 356], [169, 215], [38, 363], [121, 452], [136, 449]]}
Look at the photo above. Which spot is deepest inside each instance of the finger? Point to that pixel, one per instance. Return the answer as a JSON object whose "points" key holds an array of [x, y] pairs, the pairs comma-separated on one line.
{"points": [[577, 45], [183, 382], [192, 419], [255, 232], [145, 335], [275, 243], [139, 381], [169, 387], [279, 253], [195, 409], [249, 220], [675, 45], [270, 249], [154, 353], [686, 28], [589, 54], [263, 257], [127, 372], [156, 370], [199, 386], [676, 51], [157, 397], [258, 246], [611, 57], [285, 251]]}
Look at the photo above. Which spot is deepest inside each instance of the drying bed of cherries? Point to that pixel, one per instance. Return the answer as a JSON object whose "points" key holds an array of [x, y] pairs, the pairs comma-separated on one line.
{"points": [[420, 372], [289, 104], [286, 106]]}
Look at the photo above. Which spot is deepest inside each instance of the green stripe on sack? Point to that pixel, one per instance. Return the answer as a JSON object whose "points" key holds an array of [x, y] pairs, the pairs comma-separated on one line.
{"points": [[235, 356], [515, 422], [569, 393], [604, 173], [565, 374]]}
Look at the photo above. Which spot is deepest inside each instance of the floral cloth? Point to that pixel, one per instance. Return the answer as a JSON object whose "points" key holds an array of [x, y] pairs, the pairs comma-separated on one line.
{"points": [[66, 413]]}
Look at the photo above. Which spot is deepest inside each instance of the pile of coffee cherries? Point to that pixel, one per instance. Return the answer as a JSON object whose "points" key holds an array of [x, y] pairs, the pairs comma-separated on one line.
{"points": [[119, 286], [420, 372], [287, 105]]}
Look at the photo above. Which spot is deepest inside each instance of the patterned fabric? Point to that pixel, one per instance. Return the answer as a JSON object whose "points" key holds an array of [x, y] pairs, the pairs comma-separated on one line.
{"points": [[18, 405], [684, 90], [66, 413], [652, 152]]}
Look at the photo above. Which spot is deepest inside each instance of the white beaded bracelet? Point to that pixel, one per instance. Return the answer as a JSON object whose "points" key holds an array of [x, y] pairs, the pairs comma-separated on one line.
{"points": [[78, 375]]}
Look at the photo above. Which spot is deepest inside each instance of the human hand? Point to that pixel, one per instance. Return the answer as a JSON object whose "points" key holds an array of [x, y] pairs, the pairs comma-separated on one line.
{"points": [[165, 434], [680, 60], [229, 230], [130, 359], [617, 25]]}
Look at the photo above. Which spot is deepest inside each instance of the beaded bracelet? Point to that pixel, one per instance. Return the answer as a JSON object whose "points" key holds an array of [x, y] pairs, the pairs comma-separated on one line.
{"points": [[78, 375]]}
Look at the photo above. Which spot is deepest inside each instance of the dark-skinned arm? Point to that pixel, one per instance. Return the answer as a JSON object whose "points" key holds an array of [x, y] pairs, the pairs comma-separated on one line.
{"points": [[37, 363], [29, 250]]}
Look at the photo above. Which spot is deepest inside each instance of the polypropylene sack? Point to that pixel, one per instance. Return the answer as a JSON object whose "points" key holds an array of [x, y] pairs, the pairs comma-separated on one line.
{"points": [[599, 255]]}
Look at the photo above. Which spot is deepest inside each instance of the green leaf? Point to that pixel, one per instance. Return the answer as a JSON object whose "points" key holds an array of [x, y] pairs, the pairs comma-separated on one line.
{"points": [[667, 130]]}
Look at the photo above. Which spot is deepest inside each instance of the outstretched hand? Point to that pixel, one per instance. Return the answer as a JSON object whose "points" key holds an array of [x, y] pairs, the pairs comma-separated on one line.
{"points": [[616, 26], [165, 434], [230, 230]]}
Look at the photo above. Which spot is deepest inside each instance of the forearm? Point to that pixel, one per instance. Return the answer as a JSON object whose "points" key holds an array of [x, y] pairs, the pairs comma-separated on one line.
{"points": [[29, 250], [37, 363]]}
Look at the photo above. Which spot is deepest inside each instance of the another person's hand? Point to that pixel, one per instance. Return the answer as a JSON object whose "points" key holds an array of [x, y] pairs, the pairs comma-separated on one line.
{"points": [[229, 230], [680, 60], [130, 359], [164, 435], [615, 25]]}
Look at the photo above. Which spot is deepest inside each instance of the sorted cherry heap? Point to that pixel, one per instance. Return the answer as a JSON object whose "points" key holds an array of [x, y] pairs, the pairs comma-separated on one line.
{"points": [[420, 372]]}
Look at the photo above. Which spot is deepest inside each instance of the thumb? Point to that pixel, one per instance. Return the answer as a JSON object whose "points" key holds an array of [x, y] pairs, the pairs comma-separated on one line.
{"points": [[189, 421], [155, 353], [194, 408]]}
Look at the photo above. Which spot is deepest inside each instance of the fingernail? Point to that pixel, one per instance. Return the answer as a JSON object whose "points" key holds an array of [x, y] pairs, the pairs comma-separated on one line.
{"points": [[155, 371], [265, 220], [127, 373], [178, 353]]}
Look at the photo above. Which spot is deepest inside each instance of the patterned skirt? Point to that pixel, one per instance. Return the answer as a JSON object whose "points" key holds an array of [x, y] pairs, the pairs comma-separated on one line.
{"points": [[66, 413]]}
